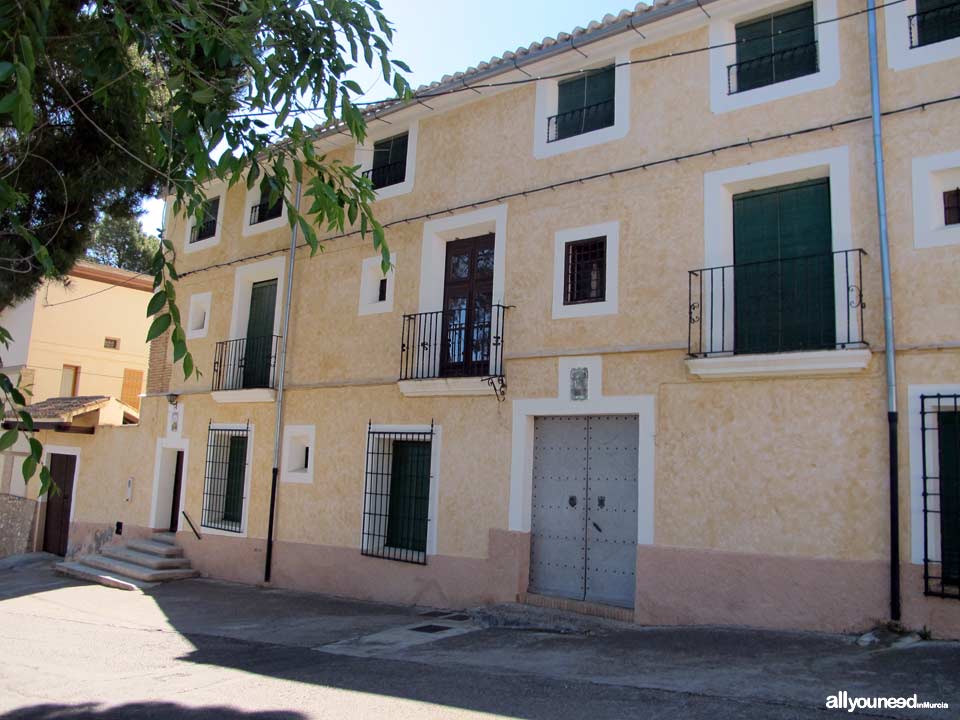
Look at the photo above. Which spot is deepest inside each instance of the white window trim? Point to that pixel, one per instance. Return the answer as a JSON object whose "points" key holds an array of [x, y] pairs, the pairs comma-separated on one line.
{"points": [[610, 230], [168, 443], [248, 474], [49, 450], [303, 475], [914, 392], [370, 277], [546, 106], [363, 156], [243, 279], [433, 503], [199, 302], [216, 189], [521, 463], [719, 188], [253, 198], [928, 227], [723, 21], [900, 56]]}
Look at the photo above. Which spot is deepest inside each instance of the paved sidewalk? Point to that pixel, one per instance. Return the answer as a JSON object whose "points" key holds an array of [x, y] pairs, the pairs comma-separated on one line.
{"points": [[203, 650]]}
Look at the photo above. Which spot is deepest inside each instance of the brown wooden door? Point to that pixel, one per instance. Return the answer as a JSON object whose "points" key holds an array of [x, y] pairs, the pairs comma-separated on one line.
{"points": [[467, 305], [56, 526], [175, 503]]}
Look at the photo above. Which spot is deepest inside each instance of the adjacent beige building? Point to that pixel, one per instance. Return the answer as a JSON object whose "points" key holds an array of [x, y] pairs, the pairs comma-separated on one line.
{"points": [[629, 358]]}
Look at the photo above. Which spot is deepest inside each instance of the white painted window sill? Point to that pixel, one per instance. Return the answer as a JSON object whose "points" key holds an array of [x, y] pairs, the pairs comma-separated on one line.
{"points": [[252, 395], [798, 364], [452, 387]]}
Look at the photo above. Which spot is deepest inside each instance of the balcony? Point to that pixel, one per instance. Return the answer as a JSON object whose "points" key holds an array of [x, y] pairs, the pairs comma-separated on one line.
{"points": [[777, 67], [206, 229], [245, 370], [261, 212], [580, 120], [453, 352], [934, 25], [742, 317], [387, 175]]}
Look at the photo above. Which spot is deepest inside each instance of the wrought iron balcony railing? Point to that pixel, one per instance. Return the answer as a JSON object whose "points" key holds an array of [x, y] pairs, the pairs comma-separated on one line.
{"points": [[935, 25], [453, 343], [814, 302], [206, 229], [387, 175], [246, 363], [580, 120], [264, 211], [776, 67]]}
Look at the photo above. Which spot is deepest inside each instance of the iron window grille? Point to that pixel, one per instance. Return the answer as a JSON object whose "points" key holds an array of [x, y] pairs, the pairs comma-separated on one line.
{"points": [[389, 162], [225, 478], [934, 21], [775, 48], [264, 210], [396, 496], [585, 271], [208, 227], [585, 103], [712, 301], [453, 343], [246, 363], [951, 207], [940, 432]]}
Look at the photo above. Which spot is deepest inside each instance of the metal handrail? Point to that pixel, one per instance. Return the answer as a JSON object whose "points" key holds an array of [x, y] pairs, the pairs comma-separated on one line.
{"points": [[947, 12], [385, 175], [245, 363], [192, 526], [206, 229], [734, 68], [449, 343], [578, 118]]}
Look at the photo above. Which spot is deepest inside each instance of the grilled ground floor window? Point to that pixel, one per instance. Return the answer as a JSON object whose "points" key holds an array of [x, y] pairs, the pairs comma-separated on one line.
{"points": [[225, 477], [940, 428], [396, 498], [585, 271]]}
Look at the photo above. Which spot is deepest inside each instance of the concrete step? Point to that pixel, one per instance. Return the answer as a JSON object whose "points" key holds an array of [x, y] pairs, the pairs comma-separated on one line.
{"points": [[154, 547], [138, 572], [82, 571], [148, 560], [168, 538]]}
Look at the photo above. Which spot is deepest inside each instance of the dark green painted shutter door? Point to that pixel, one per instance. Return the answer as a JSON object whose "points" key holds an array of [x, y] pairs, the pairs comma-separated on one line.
{"points": [[258, 353], [937, 20], [409, 495], [236, 468], [783, 274], [949, 442]]}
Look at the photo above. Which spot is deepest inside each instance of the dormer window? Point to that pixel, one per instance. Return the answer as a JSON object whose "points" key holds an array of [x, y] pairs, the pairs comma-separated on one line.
{"points": [[774, 48], [263, 210], [584, 104], [207, 228], [389, 162], [934, 22]]}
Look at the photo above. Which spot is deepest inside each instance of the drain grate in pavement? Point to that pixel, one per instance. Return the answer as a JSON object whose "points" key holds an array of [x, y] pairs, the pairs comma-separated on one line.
{"points": [[435, 613], [431, 628], [457, 616]]}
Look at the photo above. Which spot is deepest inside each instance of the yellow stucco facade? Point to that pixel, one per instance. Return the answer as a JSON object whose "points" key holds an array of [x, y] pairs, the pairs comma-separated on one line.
{"points": [[767, 491]]}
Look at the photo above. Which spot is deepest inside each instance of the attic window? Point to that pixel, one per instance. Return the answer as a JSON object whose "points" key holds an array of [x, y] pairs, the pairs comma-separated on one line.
{"points": [[111, 343], [389, 162]]}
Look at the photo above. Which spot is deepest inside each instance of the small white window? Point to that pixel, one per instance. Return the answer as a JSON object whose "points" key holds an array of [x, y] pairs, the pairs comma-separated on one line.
{"points": [[586, 270], [299, 442], [376, 289], [936, 193], [198, 318]]}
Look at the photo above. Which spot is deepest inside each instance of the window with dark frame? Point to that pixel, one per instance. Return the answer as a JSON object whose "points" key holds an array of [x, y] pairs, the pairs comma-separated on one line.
{"points": [[111, 343], [263, 210], [224, 478], [382, 290], [774, 48], [396, 498], [940, 433], [207, 228], [934, 22], [584, 104], [951, 207], [389, 162], [585, 271]]}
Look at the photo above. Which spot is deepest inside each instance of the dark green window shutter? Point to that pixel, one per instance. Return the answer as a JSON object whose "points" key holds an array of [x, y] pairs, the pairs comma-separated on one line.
{"points": [[409, 495], [258, 351], [948, 437], [775, 48], [586, 103], [236, 470], [937, 20], [783, 274]]}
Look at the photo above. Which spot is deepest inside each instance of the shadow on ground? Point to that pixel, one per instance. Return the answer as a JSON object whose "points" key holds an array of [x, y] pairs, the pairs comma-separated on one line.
{"points": [[93, 711]]}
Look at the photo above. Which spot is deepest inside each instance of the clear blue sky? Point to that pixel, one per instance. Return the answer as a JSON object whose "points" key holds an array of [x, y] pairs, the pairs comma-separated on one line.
{"points": [[439, 37]]}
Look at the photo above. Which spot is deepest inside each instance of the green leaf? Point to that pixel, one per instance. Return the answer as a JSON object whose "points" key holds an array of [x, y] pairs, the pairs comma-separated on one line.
{"points": [[187, 366], [157, 302], [8, 438], [29, 468], [46, 479], [203, 96], [159, 326], [36, 449], [9, 102], [179, 350], [27, 49], [26, 419], [6, 70]]}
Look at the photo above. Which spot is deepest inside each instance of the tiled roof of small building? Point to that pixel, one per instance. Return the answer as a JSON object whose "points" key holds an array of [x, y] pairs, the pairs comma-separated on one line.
{"points": [[66, 407]]}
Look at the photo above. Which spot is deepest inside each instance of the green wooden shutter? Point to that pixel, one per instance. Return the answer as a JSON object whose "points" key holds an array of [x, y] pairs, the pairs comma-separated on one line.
{"points": [[754, 47], [783, 274], [948, 437], [409, 495], [571, 95], [236, 470], [258, 352], [937, 20], [775, 48]]}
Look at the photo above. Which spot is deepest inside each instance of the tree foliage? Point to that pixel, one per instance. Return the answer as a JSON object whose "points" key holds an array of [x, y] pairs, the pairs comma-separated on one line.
{"points": [[122, 243], [176, 93]]}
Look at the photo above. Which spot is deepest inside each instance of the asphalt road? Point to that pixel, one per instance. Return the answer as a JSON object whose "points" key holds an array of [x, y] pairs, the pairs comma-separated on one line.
{"points": [[214, 651]]}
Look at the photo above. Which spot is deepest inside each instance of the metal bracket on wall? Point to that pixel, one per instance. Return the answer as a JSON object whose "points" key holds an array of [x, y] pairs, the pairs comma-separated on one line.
{"points": [[499, 385]]}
